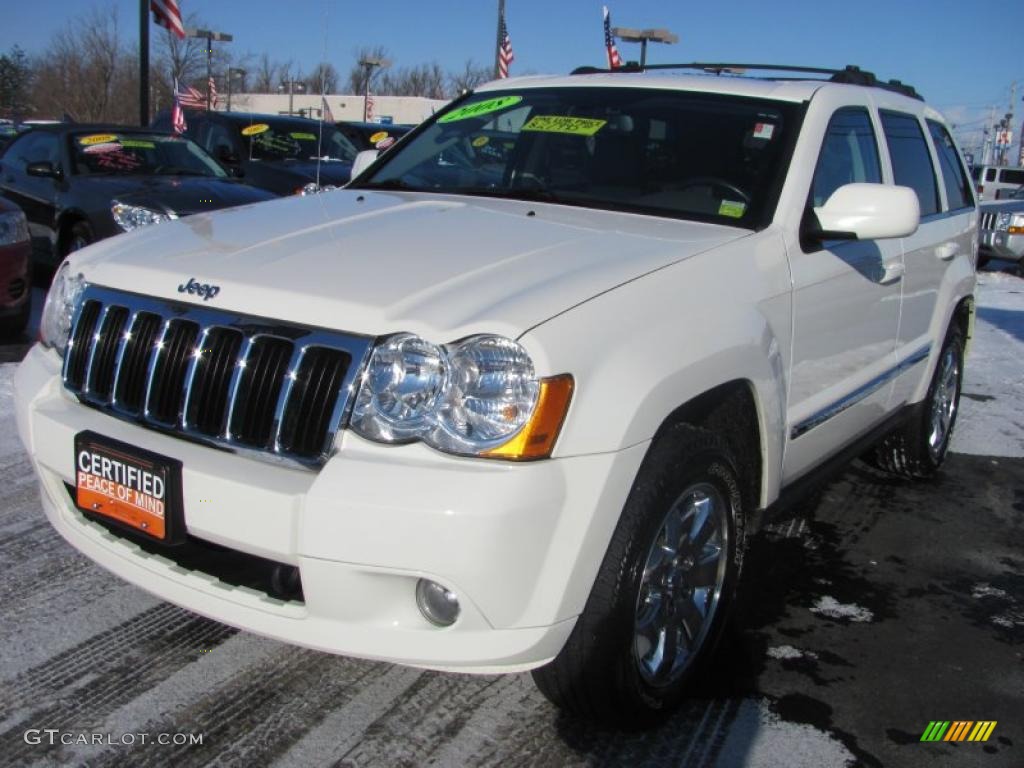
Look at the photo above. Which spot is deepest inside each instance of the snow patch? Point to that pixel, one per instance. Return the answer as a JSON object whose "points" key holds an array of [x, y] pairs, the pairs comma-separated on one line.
{"points": [[829, 606], [987, 590], [1009, 620], [789, 652]]}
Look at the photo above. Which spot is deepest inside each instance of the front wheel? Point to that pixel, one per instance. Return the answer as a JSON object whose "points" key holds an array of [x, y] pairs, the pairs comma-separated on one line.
{"points": [[918, 449], [663, 591]]}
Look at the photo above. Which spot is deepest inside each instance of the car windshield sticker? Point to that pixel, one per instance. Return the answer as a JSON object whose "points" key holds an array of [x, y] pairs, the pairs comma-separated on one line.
{"points": [[480, 108], [385, 143], [96, 149], [275, 143], [578, 126], [303, 136], [764, 131], [97, 138], [118, 161], [138, 144], [479, 141], [252, 130], [378, 137], [732, 209]]}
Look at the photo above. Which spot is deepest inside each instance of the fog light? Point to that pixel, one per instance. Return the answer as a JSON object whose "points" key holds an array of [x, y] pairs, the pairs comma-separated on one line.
{"points": [[438, 605]]}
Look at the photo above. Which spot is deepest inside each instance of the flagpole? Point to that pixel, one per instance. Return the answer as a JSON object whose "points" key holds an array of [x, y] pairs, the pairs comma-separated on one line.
{"points": [[498, 41], [143, 63]]}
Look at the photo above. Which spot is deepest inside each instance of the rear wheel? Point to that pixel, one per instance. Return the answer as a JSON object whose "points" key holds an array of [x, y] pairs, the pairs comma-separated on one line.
{"points": [[80, 236], [918, 448], [662, 594]]}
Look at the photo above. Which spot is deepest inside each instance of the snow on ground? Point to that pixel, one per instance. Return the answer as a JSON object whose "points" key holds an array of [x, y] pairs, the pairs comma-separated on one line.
{"points": [[829, 606], [991, 420]]}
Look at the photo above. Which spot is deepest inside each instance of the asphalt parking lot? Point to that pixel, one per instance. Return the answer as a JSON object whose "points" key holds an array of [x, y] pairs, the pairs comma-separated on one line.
{"points": [[880, 607]]}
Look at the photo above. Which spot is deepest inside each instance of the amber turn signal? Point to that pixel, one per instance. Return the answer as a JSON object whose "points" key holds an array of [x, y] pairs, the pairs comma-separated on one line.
{"points": [[537, 438]]}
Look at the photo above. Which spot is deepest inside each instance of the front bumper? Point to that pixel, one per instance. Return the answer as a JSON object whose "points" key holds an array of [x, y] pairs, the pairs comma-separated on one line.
{"points": [[519, 543], [1001, 245]]}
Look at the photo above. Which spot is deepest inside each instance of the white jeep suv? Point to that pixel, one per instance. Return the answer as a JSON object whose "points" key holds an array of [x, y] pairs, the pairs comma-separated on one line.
{"points": [[516, 398]]}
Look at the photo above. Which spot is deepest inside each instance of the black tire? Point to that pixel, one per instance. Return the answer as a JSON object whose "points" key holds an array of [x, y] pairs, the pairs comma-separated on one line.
{"points": [[918, 448], [604, 672], [79, 236]]}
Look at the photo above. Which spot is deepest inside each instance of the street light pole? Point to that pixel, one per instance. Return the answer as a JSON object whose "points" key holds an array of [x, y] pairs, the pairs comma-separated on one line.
{"points": [[209, 36], [368, 64], [643, 36], [233, 72]]}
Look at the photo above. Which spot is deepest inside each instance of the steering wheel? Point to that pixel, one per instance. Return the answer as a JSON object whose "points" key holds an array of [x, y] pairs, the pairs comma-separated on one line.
{"points": [[714, 182]]}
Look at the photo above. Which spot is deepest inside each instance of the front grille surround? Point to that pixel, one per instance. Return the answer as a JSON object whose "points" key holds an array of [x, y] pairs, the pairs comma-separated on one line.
{"points": [[212, 376]]}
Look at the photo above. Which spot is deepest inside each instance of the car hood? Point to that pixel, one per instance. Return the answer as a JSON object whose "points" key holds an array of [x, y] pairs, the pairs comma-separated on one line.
{"points": [[183, 195], [381, 262]]}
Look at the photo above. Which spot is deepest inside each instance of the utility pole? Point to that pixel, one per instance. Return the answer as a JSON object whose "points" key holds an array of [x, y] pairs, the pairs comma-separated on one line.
{"points": [[368, 64], [498, 39], [987, 155], [143, 63]]}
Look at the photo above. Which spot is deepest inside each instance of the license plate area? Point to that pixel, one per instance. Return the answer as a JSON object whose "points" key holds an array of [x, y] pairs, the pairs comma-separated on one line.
{"points": [[137, 490]]}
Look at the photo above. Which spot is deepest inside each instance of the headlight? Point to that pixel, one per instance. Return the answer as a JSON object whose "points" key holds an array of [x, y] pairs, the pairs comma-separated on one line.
{"points": [[13, 228], [59, 309], [312, 188], [1003, 220], [129, 217], [477, 397]]}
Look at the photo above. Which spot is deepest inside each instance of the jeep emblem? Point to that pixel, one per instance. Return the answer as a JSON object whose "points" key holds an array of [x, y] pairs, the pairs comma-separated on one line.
{"points": [[202, 289]]}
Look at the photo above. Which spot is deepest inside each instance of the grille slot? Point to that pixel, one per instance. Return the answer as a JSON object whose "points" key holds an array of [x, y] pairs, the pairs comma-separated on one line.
{"points": [[166, 387], [312, 400], [252, 421], [16, 288], [208, 393], [82, 340], [988, 221], [278, 391], [101, 369], [130, 388]]}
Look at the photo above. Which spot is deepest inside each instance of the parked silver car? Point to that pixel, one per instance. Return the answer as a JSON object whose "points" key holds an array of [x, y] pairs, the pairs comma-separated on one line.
{"points": [[1001, 230]]}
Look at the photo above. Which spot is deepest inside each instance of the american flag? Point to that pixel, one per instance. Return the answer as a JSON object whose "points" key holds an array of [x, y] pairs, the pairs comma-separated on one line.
{"points": [[167, 14], [212, 86], [190, 97], [177, 113], [505, 55], [325, 111], [614, 60]]}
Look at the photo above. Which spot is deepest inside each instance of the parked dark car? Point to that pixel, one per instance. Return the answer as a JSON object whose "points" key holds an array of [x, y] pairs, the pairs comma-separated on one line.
{"points": [[372, 135], [285, 155], [15, 266], [80, 183]]}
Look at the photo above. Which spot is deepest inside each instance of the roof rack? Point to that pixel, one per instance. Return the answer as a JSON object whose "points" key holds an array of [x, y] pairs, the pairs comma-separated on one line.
{"points": [[850, 74]]}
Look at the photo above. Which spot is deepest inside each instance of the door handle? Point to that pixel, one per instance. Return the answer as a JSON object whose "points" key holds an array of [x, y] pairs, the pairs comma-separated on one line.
{"points": [[892, 273], [947, 251]]}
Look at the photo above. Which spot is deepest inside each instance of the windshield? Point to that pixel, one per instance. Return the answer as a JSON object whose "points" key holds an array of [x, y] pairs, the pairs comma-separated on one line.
{"points": [[294, 140], [152, 154], [690, 155]]}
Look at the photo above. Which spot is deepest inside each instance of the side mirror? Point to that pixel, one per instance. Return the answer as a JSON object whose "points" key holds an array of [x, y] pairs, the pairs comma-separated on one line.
{"points": [[868, 212], [363, 161], [43, 170]]}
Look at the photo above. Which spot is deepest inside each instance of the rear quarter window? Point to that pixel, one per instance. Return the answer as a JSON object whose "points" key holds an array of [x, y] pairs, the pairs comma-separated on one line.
{"points": [[958, 188]]}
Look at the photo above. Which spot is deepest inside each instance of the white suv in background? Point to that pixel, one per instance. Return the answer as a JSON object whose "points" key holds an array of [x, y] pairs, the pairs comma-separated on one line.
{"points": [[517, 397]]}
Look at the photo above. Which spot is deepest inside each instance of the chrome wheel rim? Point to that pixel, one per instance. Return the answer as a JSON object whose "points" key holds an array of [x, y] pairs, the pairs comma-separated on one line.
{"points": [[681, 584], [944, 402]]}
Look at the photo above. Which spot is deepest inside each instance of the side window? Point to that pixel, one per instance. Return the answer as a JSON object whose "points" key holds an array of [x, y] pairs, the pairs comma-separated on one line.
{"points": [[218, 140], [848, 154], [1011, 176], [990, 174], [958, 188], [911, 162]]}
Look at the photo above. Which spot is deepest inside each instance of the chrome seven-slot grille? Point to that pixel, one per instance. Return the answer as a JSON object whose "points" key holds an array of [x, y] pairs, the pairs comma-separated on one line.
{"points": [[240, 382]]}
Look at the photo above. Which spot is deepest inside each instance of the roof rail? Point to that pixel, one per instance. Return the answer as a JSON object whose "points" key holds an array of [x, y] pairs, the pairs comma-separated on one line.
{"points": [[850, 74]]}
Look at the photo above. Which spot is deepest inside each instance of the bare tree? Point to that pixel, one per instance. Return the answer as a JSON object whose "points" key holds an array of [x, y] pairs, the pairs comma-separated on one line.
{"points": [[323, 79], [15, 83], [357, 74], [265, 75], [470, 77], [87, 72]]}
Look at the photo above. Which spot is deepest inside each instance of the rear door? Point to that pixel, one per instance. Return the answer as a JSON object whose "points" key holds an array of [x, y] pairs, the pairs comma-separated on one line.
{"points": [[846, 305]]}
